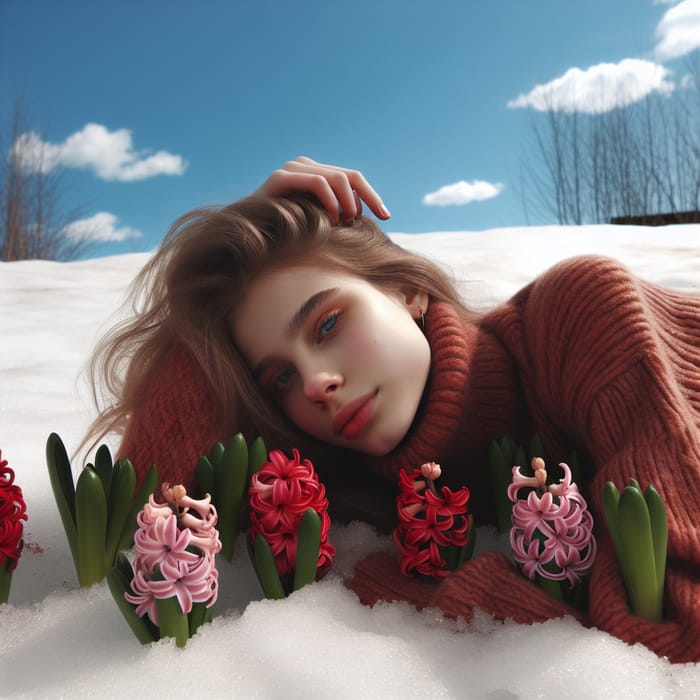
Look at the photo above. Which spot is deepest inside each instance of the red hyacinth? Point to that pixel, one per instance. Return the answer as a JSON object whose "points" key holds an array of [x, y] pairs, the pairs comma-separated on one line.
{"points": [[280, 493], [433, 528], [13, 510]]}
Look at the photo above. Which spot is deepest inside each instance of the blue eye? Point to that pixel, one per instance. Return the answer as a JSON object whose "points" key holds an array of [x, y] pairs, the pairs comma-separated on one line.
{"points": [[328, 324]]}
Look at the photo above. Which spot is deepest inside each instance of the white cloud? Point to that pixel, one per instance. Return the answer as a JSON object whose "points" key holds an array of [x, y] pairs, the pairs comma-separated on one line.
{"points": [[110, 154], [678, 31], [102, 227], [599, 88], [463, 192]]}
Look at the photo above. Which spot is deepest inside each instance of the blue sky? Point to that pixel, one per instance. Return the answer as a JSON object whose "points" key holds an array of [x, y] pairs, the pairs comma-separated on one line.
{"points": [[151, 108]]}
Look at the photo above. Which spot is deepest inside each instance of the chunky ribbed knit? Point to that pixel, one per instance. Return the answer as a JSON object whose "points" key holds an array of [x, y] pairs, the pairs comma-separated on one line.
{"points": [[174, 423], [607, 363], [588, 356]]}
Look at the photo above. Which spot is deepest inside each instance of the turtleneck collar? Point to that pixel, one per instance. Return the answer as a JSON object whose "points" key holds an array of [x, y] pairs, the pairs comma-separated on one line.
{"points": [[471, 398]]}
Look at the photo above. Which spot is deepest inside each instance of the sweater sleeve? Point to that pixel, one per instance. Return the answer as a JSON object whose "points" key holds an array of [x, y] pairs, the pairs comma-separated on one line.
{"points": [[613, 363], [174, 424]]}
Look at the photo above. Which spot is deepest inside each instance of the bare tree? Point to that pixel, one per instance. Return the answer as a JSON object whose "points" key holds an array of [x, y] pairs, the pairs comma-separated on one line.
{"points": [[32, 220], [636, 160]]}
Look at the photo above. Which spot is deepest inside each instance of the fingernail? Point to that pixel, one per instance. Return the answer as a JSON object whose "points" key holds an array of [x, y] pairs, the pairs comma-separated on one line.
{"points": [[385, 212]]}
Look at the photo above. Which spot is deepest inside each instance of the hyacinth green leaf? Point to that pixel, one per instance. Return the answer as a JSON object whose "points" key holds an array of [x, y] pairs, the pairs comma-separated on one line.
{"points": [[308, 548], [61, 478], [550, 586], [611, 501], [5, 581], [172, 621], [264, 565], [123, 483], [636, 536], [205, 478], [509, 447], [450, 555], [257, 456], [536, 447], [148, 486], [119, 584], [575, 466], [198, 616], [230, 475], [467, 551], [103, 467], [217, 452], [123, 565], [659, 533], [91, 522], [501, 475]]}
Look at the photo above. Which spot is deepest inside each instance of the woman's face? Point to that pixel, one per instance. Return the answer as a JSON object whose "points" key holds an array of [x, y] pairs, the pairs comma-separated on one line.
{"points": [[345, 361]]}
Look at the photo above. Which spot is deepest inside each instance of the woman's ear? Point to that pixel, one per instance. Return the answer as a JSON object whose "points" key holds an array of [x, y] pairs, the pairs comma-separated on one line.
{"points": [[416, 302]]}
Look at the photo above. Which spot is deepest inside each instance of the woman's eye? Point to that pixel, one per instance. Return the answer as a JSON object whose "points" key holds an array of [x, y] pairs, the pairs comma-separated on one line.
{"points": [[327, 324], [282, 379]]}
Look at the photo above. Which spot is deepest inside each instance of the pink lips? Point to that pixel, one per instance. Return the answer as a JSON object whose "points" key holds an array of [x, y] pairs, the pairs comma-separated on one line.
{"points": [[352, 419]]}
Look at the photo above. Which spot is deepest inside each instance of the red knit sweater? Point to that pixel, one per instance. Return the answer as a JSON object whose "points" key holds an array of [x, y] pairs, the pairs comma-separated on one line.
{"points": [[588, 356]]}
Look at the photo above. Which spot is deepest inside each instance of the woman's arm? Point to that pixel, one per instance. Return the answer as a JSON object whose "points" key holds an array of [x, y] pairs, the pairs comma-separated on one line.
{"points": [[340, 190]]}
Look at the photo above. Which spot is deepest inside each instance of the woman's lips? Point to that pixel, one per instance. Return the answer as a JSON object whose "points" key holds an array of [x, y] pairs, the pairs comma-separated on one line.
{"points": [[352, 419]]}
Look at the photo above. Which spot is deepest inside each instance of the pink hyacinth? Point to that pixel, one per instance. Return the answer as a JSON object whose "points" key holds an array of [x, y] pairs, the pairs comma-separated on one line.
{"points": [[175, 546], [552, 533], [430, 524], [13, 510], [280, 493]]}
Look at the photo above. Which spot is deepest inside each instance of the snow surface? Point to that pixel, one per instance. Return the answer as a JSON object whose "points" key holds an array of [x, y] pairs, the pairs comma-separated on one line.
{"points": [[59, 641]]}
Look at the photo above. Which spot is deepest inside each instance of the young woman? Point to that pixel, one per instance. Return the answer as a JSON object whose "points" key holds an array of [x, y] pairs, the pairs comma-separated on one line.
{"points": [[296, 318]]}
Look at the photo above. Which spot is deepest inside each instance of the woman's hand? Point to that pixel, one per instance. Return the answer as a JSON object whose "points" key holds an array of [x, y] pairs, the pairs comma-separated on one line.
{"points": [[340, 190]]}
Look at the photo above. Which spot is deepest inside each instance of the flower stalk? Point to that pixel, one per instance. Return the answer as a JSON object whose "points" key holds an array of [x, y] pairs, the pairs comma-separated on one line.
{"points": [[502, 455], [13, 510], [435, 534], [173, 583], [288, 539], [639, 531], [99, 511], [552, 530]]}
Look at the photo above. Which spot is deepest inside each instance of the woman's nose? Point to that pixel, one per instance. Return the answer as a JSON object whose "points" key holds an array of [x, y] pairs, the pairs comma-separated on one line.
{"points": [[320, 385]]}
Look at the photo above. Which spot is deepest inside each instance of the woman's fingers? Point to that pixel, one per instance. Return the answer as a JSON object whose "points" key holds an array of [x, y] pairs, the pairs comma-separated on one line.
{"points": [[340, 190]]}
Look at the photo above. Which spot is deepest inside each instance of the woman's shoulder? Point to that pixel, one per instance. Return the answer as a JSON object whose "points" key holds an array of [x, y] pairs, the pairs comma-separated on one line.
{"points": [[575, 279], [588, 270], [578, 294]]}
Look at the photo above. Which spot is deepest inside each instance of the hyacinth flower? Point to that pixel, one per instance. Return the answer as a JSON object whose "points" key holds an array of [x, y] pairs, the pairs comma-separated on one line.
{"points": [[99, 511], [639, 531], [552, 530], [173, 583], [289, 522], [502, 455], [13, 510], [224, 475], [435, 534]]}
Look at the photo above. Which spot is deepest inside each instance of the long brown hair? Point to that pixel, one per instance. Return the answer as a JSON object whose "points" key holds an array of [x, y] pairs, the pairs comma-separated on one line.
{"points": [[185, 294]]}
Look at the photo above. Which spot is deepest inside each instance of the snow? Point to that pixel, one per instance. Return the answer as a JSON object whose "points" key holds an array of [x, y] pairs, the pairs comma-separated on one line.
{"points": [[57, 640]]}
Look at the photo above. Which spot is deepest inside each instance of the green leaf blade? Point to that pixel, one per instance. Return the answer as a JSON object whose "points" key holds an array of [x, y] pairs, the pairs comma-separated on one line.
{"points": [[91, 522], [308, 548]]}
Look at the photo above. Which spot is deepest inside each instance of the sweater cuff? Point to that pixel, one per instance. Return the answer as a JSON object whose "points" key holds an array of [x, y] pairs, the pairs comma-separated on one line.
{"points": [[493, 584]]}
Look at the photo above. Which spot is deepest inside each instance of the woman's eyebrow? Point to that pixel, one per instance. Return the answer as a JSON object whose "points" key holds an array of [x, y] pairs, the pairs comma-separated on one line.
{"points": [[307, 308], [297, 321]]}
